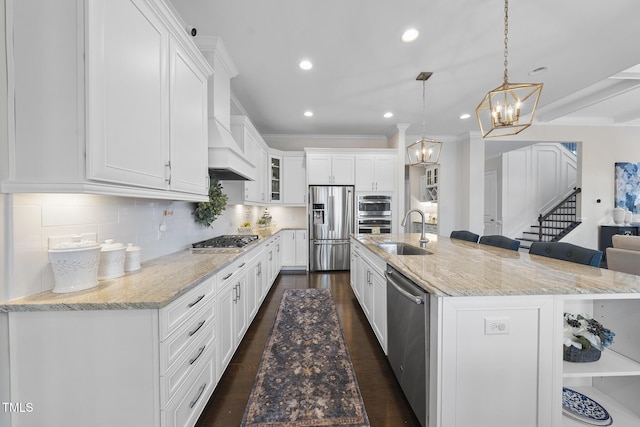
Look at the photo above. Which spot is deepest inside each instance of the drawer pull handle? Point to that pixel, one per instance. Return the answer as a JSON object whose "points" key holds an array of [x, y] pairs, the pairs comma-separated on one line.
{"points": [[196, 301], [241, 265], [192, 361], [227, 276], [194, 401], [197, 329]]}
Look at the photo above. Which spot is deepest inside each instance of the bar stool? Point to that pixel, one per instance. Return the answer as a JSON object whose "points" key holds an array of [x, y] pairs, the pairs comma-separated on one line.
{"points": [[500, 242], [567, 252], [465, 235]]}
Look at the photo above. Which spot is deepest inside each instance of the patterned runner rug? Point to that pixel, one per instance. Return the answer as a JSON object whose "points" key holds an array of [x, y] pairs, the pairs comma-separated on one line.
{"points": [[305, 376]]}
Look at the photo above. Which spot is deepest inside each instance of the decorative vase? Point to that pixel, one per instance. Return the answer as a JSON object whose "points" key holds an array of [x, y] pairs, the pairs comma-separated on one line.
{"points": [[573, 354], [627, 217], [618, 215]]}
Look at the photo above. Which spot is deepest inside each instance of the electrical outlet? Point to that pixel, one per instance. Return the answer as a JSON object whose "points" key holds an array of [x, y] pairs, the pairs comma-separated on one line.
{"points": [[496, 326]]}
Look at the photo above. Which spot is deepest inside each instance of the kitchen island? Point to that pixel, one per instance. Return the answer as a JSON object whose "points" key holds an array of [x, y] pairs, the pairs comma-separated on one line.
{"points": [[512, 376]]}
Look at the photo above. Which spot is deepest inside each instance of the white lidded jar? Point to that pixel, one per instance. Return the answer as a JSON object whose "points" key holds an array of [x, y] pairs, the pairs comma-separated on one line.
{"points": [[112, 256], [132, 258], [75, 265]]}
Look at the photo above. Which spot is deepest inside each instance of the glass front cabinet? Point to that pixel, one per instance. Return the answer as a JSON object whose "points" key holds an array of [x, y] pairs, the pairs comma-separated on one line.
{"points": [[275, 187]]}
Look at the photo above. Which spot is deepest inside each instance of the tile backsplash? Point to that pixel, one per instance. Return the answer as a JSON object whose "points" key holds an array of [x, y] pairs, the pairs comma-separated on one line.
{"points": [[36, 217]]}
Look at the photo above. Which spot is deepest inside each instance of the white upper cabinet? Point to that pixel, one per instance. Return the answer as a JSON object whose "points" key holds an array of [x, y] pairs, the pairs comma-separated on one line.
{"points": [[274, 180], [127, 82], [293, 180], [375, 173], [255, 151], [120, 108], [188, 119], [330, 169]]}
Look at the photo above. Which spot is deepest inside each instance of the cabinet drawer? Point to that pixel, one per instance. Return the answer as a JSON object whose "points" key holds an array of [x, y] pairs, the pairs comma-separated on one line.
{"points": [[192, 359], [190, 399], [227, 275], [186, 335], [173, 315]]}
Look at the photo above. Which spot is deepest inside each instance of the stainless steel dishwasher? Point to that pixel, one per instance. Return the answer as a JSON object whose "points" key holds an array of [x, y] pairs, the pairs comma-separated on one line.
{"points": [[408, 339]]}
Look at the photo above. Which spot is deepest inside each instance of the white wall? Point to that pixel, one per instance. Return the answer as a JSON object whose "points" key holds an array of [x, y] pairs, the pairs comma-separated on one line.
{"points": [[601, 147], [126, 220], [533, 180], [299, 143]]}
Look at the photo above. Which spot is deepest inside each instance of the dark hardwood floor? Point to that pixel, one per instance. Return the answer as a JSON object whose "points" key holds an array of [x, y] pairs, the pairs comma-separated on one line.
{"points": [[384, 402]]}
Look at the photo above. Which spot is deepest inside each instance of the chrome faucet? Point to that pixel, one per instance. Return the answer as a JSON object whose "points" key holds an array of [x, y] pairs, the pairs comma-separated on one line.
{"points": [[423, 237]]}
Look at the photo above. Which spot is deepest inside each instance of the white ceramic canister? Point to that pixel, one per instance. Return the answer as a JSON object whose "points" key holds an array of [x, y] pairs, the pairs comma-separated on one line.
{"points": [[132, 258], [75, 265], [112, 256]]}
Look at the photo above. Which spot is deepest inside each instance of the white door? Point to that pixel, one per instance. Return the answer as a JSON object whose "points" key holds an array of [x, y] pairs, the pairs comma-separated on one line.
{"points": [[491, 225]]}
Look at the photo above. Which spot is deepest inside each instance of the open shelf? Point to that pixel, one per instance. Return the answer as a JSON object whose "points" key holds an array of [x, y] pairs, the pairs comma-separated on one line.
{"points": [[622, 417], [610, 364]]}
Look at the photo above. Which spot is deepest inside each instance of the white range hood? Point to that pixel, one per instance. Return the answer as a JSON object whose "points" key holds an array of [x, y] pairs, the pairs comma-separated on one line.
{"points": [[226, 161]]}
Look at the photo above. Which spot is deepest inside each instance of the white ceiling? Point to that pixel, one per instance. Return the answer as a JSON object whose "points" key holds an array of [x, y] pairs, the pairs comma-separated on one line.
{"points": [[362, 69]]}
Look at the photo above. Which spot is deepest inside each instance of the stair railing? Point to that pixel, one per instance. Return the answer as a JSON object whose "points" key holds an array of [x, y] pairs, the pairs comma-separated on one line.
{"points": [[557, 210]]}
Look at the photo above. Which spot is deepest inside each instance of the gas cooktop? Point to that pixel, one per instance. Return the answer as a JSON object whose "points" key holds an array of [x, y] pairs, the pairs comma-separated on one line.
{"points": [[226, 241]]}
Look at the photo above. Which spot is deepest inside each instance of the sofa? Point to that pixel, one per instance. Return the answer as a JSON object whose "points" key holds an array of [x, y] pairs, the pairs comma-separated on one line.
{"points": [[624, 256]]}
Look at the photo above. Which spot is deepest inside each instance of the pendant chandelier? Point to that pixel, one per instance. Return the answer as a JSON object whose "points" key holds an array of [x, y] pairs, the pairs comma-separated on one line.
{"points": [[508, 109], [425, 151]]}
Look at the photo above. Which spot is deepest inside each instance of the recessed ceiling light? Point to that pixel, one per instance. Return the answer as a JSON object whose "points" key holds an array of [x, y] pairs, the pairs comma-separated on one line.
{"points": [[305, 64], [308, 113], [465, 116], [409, 35], [538, 70], [388, 115]]}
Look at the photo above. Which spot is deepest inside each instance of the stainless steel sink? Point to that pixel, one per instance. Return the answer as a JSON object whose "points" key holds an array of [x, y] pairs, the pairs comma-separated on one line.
{"points": [[400, 248]]}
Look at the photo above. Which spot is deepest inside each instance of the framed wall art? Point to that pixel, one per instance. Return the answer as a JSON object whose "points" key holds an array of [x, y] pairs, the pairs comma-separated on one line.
{"points": [[627, 183]]}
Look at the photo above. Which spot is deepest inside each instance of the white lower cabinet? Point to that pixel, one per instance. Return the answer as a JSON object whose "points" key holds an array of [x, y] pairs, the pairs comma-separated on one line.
{"points": [[115, 367], [370, 287], [255, 286], [136, 367], [185, 410], [273, 260], [232, 308], [294, 249], [243, 284], [354, 277]]}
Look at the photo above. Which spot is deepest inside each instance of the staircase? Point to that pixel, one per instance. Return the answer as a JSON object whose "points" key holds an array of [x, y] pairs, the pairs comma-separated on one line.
{"points": [[555, 224]]}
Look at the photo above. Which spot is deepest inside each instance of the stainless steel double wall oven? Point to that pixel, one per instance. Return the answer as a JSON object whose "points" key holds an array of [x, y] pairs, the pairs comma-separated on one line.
{"points": [[374, 213]]}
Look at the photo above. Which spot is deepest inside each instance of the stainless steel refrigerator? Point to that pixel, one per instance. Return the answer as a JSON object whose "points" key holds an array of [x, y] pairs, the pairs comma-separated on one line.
{"points": [[330, 224]]}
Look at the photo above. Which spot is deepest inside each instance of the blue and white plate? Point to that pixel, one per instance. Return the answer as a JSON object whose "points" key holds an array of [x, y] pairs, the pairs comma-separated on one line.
{"points": [[583, 408]]}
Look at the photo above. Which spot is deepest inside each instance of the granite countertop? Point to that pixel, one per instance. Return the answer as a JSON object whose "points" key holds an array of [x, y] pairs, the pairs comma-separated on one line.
{"points": [[458, 268], [159, 282]]}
